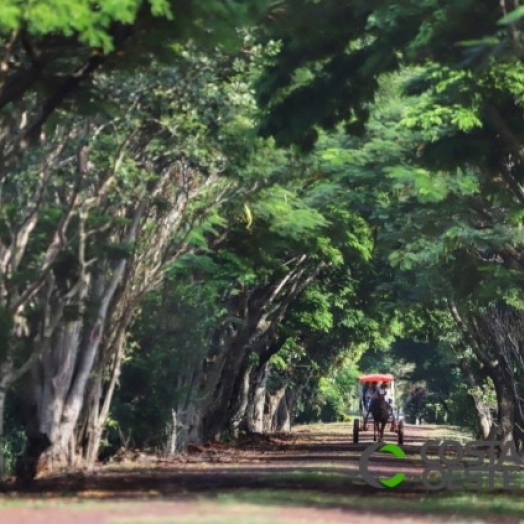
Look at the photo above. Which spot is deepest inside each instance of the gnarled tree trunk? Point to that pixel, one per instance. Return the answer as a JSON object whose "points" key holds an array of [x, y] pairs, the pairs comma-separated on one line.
{"points": [[475, 383], [254, 417], [272, 417], [62, 374], [495, 339]]}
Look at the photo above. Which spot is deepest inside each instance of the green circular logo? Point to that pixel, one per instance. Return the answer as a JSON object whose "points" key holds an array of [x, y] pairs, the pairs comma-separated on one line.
{"points": [[391, 482]]}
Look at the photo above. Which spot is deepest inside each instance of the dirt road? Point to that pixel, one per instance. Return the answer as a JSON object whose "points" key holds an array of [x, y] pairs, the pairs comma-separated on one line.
{"points": [[308, 476]]}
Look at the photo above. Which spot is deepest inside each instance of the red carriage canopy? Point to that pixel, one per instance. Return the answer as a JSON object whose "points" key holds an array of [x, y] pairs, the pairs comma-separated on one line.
{"points": [[377, 377]]}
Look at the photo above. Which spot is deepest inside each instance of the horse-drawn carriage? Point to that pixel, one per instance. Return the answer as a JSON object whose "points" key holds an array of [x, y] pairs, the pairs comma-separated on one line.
{"points": [[377, 408]]}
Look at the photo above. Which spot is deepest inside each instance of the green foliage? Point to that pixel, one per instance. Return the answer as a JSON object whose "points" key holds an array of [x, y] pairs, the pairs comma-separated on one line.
{"points": [[287, 213], [157, 375], [462, 411], [351, 46], [339, 391], [80, 18]]}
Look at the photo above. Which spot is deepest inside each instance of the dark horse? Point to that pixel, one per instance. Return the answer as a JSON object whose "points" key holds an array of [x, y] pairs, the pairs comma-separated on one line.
{"points": [[381, 412]]}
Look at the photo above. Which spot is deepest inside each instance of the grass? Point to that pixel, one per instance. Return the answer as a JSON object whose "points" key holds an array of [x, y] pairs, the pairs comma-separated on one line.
{"points": [[326, 429], [304, 477], [434, 432], [470, 505]]}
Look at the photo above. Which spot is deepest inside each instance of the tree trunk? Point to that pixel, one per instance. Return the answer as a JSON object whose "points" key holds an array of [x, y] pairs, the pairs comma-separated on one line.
{"points": [[3, 394], [171, 435], [282, 420], [485, 421], [475, 391], [257, 400], [60, 385], [6, 379], [233, 380], [261, 309], [215, 419], [255, 414], [273, 405], [506, 410], [239, 401], [207, 380], [101, 398], [488, 341], [66, 368], [90, 432], [190, 412], [192, 427], [52, 379]]}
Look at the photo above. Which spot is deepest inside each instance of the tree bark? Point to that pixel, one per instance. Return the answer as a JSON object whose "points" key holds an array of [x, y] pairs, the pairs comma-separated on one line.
{"points": [[3, 394], [487, 343], [171, 443], [101, 398], [257, 400], [284, 411], [62, 376], [216, 419], [274, 400], [505, 405], [485, 421], [239, 400]]}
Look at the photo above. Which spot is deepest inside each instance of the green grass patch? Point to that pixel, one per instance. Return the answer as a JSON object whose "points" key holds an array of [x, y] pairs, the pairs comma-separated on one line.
{"points": [[440, 433], [301, 477], [471, 505]]}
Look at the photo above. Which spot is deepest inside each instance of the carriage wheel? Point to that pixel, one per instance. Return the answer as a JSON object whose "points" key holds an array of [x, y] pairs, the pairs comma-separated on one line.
{"points": [[401, 432], [356, 429]]}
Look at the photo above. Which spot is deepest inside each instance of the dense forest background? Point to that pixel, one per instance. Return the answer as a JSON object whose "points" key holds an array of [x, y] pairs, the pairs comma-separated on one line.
{"points": [[215, 215]]}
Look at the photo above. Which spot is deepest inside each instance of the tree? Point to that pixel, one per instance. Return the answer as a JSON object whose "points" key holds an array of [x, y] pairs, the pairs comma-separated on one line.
{"points": [[132, 203], [417, 210], [62, 78]]}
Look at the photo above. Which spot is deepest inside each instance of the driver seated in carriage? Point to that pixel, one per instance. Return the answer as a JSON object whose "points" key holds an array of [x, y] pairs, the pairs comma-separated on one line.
{"points": [[374, 392], [384, 391], [369, 392]]}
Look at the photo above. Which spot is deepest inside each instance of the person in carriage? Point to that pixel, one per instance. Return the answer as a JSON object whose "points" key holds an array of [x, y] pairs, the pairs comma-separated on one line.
{"points": [[369, 394], [384, 390]]}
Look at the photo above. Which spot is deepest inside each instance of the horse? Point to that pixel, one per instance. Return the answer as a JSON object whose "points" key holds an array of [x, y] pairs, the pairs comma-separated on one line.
{"points": [[381, 412]]}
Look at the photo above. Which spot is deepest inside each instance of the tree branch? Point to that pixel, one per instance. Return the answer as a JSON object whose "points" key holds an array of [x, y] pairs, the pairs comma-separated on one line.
{"points": [[513, 143], [60, 95]]}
